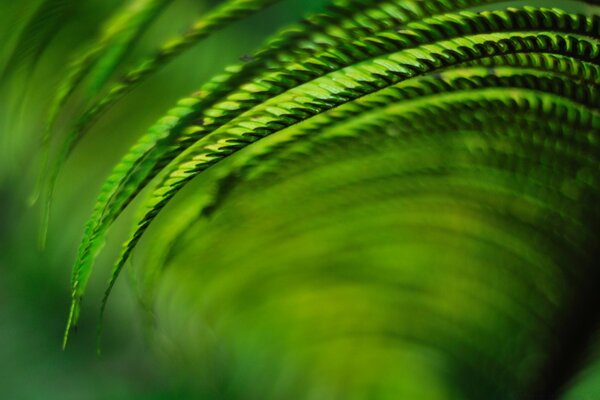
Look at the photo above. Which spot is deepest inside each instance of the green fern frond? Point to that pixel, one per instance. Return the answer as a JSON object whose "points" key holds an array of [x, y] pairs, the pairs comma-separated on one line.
{"points": [[391, 126], [333, 90], [104, 55], [474, 131], [132, 21], [98, 61], [270, 86]]}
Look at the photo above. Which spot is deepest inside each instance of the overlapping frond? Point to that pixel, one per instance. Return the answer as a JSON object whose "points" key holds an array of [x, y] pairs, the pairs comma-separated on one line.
{"points": [[133, 22], [420, 111]]}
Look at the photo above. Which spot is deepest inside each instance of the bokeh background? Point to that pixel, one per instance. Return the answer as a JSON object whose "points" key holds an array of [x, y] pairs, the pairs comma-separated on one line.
{"points": [[34, 282]]}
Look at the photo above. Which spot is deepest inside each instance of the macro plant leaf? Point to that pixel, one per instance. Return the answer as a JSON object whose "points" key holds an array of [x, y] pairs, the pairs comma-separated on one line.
{"points": [[230, 140], [102, 57], [435, 157], [121, 33], [99, 61]]}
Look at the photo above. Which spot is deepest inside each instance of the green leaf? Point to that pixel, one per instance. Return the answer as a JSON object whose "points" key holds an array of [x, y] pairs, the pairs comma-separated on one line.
{"points": [[98, 61], [224, 144], [333, 90], [222, 16], [465, 143]]}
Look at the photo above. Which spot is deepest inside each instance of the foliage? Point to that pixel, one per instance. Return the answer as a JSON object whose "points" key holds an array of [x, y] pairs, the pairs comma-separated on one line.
{"points": [[391, 199]]}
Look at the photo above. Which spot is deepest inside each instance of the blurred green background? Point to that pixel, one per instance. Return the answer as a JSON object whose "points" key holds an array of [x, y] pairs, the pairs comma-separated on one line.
{"points": [[34, 283]]}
